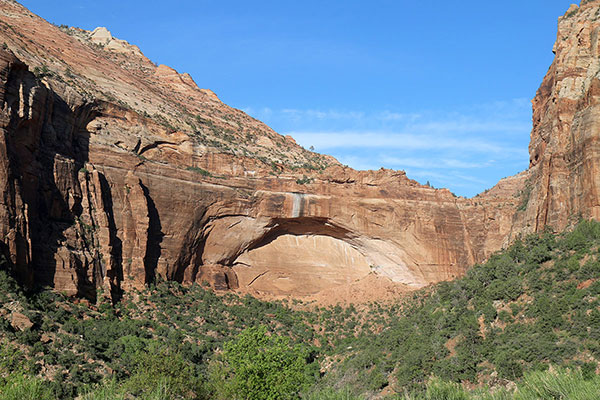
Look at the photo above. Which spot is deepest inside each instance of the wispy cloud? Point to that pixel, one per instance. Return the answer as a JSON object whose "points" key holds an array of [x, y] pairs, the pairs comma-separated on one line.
{"points": [[396, 116], [323, 115], [461, 180], [465, 125], [467, 149], [262, 113], [439, 164], [388, 140]]}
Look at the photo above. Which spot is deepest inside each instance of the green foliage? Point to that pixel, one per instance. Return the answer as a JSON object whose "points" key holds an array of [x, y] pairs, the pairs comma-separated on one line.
{"points": [[12, 359], [259, 365], [112, 390], [538, 385], [440, 390], [21, 387], [332, 394], [159, 365], [109, 390], [562, 384], [42, 72], [532, 306], [520, 311], [201, 171], [304, 180]]}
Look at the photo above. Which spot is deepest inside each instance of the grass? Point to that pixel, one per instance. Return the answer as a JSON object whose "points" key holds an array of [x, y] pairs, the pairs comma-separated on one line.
{"points": [[21, 387], [538, 385]]}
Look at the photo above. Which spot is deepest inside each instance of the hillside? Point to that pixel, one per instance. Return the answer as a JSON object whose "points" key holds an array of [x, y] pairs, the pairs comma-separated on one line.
{"points": [[531, 307], [167, 107]]}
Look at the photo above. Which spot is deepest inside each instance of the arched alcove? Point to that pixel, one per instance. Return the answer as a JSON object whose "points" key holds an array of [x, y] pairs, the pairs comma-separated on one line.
{"points": [[302, 264]]}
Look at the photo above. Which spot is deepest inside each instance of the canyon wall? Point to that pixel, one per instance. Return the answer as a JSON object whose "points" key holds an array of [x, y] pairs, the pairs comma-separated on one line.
{"points": [[565, 140], [116, 172]]}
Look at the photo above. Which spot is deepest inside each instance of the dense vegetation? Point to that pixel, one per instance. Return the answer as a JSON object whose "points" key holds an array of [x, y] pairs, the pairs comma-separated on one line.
{"points": [[531, 307]]}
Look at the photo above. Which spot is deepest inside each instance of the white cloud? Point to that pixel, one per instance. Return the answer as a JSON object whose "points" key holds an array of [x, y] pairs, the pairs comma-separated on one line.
{"points": [[395, 116], [260, 113], [470, 126], [427, 163], [450, 179], [468, 148], [324, 141], [322, 115]]}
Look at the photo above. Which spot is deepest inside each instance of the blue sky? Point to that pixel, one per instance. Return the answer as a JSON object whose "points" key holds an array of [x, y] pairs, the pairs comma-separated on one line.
{"points": [[440, 89]]}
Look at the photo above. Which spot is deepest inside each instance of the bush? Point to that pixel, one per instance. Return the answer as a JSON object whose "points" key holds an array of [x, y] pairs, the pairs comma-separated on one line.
{"points": [[332, 394], [439, 390], [256, 365], [161, 367], [201, 171]]}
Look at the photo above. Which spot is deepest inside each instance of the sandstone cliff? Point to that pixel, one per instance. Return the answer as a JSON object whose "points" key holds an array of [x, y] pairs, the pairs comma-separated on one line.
{"points": [[565, 140], [116, 172]]}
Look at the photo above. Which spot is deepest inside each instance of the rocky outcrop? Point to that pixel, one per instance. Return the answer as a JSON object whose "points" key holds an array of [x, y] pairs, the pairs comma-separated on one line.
{"points": [[565, 140], [115, 173], [102, 37]]}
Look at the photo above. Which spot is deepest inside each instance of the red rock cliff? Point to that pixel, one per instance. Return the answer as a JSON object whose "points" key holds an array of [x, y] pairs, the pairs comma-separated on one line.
{"points": [[115, 172], [565, 140]]}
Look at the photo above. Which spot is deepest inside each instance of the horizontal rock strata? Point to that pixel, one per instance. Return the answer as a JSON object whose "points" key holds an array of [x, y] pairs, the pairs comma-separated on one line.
{"points": [[115, 173]]}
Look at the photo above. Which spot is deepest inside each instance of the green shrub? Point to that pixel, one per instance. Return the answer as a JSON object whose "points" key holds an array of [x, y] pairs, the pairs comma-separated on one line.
{"points": [[332, 394], [561, 384], [159, 366], [257, 365], [439, 390], [199, 170]]}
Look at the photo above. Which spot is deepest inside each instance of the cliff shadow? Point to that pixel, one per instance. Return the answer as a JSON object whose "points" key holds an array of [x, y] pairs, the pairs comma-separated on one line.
{"points": [[46, 145], [115, 272], [155, 237]]}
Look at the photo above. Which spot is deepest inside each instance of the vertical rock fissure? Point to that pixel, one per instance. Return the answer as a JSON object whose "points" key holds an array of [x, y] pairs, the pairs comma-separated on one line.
{"points": [[115, 270], [154, 237]]}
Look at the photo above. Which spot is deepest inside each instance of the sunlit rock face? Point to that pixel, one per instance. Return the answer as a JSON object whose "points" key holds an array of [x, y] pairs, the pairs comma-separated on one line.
{"points": [[565, 140], [116, 173], [300, 264]]}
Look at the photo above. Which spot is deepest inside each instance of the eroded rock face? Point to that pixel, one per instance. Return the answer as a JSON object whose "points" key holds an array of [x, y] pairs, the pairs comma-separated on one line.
{"points": [[565, 140], [81, 214], [117, 176], [43, 209], [288, 264]]}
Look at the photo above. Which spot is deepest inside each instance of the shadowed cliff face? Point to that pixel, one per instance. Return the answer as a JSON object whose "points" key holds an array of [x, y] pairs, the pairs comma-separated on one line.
{"points": [[45, 204], [106, 186]]}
